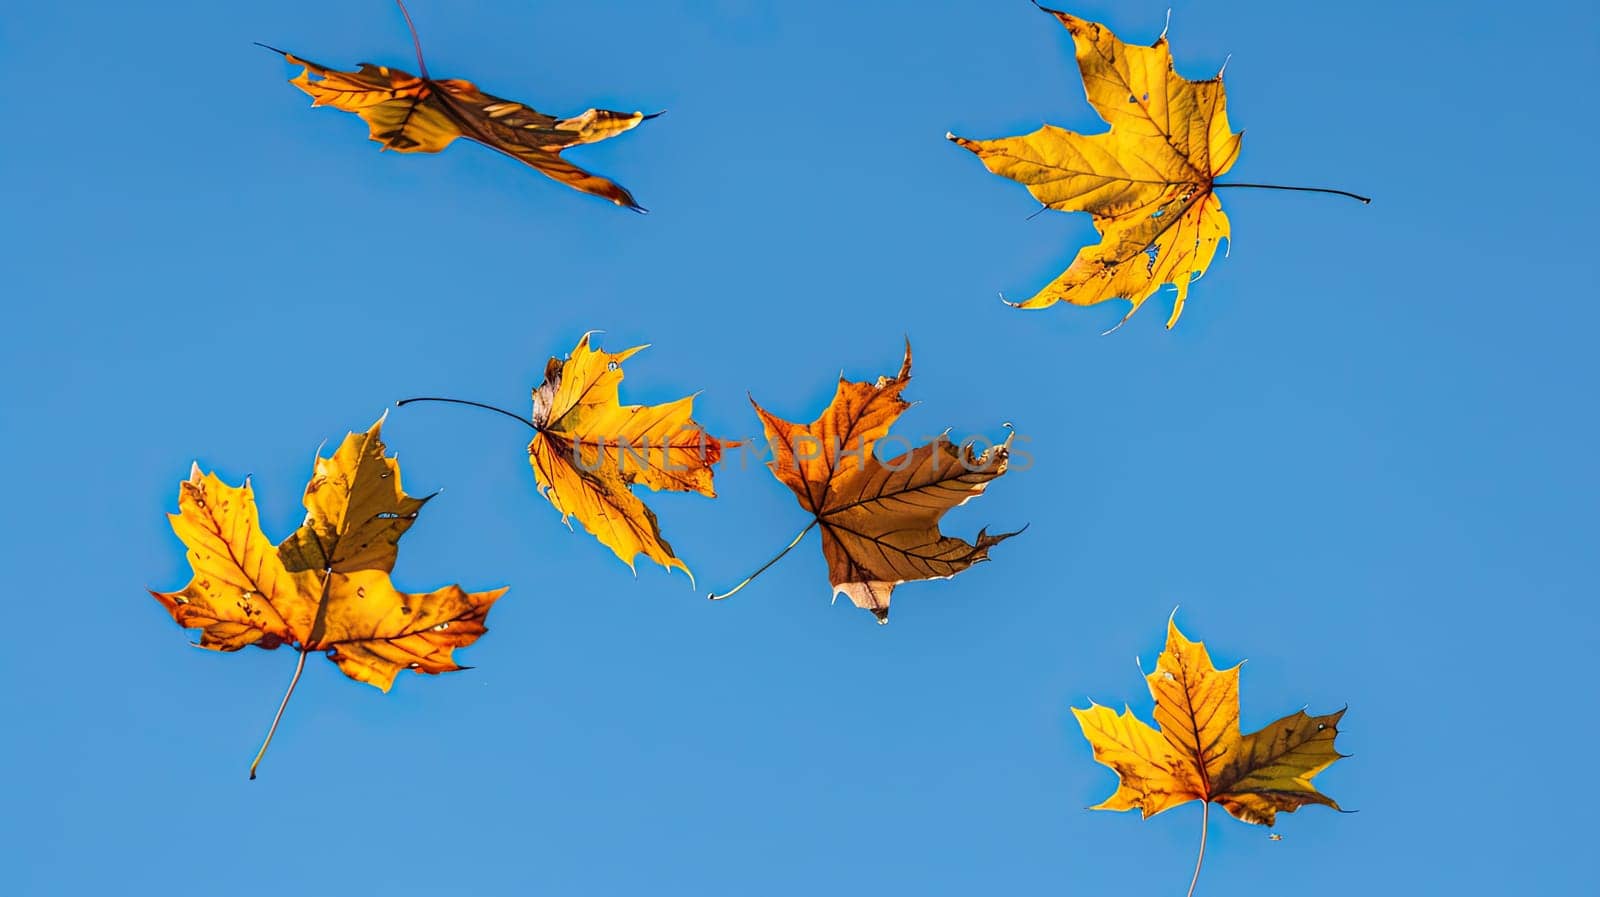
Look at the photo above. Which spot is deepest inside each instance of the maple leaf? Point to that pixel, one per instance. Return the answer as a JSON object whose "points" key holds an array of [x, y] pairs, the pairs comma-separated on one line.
{"points": [[418, 114], [1149, 181], [879, 518], [325, 588], [590, 450], [1198, 752]]}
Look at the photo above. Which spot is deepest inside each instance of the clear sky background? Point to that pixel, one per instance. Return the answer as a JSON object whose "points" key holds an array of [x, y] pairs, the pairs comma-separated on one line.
{"points": [[1364, 460]]}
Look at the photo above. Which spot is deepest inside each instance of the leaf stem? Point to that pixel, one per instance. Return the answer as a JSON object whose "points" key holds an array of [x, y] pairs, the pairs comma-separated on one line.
{"points": [[415, 42], [1366, 200], [746, 581], [514, 416], [298, 669], [1205, 817]]}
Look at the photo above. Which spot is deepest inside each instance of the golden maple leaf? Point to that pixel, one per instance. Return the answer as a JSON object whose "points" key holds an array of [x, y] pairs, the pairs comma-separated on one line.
{"points": [[1148, 181], [1198, 752], [590, 450], [879, 518], [418, 114], [326, 587]]}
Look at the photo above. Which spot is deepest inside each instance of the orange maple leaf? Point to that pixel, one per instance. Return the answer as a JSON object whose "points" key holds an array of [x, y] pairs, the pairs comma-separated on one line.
{"points": [[879, 518]]}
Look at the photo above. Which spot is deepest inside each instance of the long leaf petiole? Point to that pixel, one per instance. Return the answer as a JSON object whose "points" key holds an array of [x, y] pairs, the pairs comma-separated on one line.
{"points": [[1365, 200], [422, 67], [1205, 819], [746, 581], [495, 408], [273, 730]]}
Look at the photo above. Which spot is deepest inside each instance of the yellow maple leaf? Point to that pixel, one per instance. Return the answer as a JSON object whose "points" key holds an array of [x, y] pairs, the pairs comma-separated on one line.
{"points": [[1147, 181], [1198, 752], [879, 517], [326, 588], [590, 450]]}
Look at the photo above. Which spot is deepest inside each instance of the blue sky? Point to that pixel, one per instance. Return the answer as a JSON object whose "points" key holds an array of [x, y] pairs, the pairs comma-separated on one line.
{"points": [[1364, 460]]}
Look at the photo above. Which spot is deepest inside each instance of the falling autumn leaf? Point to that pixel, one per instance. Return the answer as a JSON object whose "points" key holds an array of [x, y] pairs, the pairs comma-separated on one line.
{"points": [[879, 518], [1198, 752], [589, 451], [412, 114], [1149, 181], [325, 588]]}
